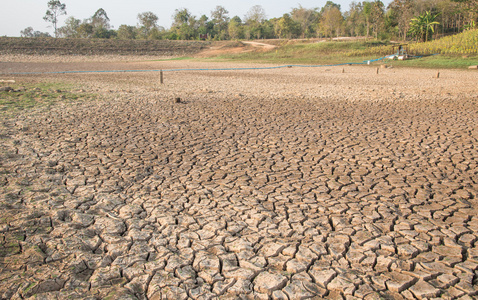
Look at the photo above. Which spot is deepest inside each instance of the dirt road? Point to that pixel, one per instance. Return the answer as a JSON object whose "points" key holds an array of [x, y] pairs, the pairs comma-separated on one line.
{"points": [[292, 183]]}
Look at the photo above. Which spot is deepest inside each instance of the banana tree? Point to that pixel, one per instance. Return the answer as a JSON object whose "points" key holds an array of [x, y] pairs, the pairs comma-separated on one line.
{"points": [[421, 26]]}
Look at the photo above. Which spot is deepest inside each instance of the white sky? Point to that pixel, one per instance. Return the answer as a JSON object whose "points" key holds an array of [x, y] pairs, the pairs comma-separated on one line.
{"points": [[16, 15]]}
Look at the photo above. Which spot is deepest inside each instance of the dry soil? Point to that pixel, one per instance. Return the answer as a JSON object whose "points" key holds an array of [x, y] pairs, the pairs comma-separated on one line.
{"points": [[290, 183]]}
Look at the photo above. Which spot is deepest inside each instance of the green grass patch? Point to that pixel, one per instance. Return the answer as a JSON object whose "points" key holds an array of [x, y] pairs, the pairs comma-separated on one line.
{"points": [[29, 287], [314, 53], [19, 237], [9, 249], [38, 95], [441, 61], [343, 52]]}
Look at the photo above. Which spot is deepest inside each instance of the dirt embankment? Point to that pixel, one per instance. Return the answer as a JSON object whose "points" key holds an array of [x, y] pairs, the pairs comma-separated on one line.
{"points": [[52, 46], [70, 50]]}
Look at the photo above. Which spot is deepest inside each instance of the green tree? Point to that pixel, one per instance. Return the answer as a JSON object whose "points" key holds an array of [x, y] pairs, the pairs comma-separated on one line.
{"points": [[100, 19], [70, 29], [55, 10], [287, 27], [186, 32], [331, 21], [305, 18], [185, 25], [235, 29], [29, 32], [469, 8], [85, 30], [147, 22], [353, 22], [255, 14], [237, 19], [204, 26], [400, 12], [253, 22], [157, 33], [126, 32], [376, 16], [329, 4], [181, 16], [100, 24], [267, 29], [449, 12], [423, 25], [367, 13], [220, 20]]}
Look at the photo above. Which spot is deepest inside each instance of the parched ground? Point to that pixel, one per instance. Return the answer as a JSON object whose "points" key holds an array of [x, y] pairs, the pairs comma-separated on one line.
{"points": [[291, 183]]}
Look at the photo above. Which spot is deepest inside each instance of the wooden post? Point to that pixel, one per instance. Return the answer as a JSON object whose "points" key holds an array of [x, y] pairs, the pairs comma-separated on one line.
{"points": [[161, 77], [438, 74], [377, 70], [343, 70]]}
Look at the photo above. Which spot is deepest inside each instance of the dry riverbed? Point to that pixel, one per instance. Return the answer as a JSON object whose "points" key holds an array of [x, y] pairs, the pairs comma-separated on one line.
{"points": [[290, 183]]}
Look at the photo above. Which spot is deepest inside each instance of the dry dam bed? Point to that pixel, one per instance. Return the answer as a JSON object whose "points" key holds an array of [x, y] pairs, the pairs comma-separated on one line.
{"points": [[294, 183]]}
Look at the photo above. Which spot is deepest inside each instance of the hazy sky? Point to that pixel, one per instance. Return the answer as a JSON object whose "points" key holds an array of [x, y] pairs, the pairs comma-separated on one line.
{"points": [[16, 15]]}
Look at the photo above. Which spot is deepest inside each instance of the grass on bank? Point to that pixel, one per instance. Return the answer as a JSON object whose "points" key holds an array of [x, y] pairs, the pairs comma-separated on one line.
{"points": [[441, 61], [303, 52], [25, 96], [457, 51], [310, 56]]}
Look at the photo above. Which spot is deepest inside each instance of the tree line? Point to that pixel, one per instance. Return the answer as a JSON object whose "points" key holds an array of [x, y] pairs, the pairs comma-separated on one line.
{"points": [[401, 19]]}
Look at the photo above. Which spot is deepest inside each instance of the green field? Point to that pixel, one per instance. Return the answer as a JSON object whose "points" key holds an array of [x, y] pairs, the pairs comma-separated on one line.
{"points": [[458, 51], [38, 95]]}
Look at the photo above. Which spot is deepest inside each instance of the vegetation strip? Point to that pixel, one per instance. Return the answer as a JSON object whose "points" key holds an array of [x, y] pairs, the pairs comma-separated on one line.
{"points": [[400, 20], [41, 95]]}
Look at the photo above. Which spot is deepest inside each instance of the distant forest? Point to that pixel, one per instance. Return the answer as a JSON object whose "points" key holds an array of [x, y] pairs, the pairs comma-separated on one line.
{"points": [[402, 19]]}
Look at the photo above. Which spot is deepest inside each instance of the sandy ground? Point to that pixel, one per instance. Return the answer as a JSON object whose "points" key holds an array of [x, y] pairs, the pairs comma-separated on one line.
{"points": [[290, 183]]}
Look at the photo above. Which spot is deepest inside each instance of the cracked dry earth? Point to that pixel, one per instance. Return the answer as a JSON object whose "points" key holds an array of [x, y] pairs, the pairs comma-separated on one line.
{"points": [[261, 184]]}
